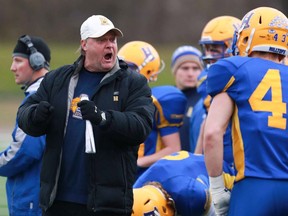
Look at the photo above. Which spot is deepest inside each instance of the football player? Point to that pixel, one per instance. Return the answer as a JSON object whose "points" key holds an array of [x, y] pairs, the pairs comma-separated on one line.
{"points": [[152, 200], [250, 89], [216, 40], [170, 104], [184, 176]]}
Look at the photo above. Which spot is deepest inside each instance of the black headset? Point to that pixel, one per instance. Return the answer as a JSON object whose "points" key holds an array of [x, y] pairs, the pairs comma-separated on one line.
{"points": [[36, 59]]}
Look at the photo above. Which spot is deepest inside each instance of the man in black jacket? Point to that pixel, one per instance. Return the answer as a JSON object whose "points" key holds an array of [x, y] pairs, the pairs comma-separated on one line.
{"points": [[90, 160]]}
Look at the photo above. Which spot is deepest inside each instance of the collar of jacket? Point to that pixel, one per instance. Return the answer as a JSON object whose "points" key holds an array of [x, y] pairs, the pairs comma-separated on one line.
{"points": [[33, 86]]}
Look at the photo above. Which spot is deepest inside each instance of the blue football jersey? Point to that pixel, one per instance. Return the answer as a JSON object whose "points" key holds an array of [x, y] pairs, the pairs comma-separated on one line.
{"points": [[198, 115], [259, 90], [184, 176], [170, 105], [201, 84]]}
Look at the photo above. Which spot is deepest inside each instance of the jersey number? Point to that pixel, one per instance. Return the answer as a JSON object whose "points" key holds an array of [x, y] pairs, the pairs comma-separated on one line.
{"points": [[272, 81], [181, 155]]}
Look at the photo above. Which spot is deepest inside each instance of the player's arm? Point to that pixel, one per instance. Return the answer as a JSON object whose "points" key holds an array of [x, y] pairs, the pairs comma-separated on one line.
{"points": [[216, 123], [199, 145], [171, 144]]}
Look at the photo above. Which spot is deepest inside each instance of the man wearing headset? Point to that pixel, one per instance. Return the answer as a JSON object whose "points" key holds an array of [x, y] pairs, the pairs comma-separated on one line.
{"points": [[20, 162]]}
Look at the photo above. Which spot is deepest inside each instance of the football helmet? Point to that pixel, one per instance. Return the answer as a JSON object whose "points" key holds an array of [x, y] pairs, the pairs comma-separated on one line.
{"points": [[143, 58], [219, 31], [263, 29], [150, 200]]}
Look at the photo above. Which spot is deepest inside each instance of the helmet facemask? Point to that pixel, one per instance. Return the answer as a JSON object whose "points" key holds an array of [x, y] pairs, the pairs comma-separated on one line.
{"points": [[219, 32]]}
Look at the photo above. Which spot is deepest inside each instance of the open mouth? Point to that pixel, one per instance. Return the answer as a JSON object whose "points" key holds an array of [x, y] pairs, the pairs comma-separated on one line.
{"points": [[108, 56]]}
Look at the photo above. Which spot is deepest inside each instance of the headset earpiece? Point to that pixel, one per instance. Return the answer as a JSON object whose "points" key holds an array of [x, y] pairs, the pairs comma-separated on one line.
{"points": [[36, 59]]}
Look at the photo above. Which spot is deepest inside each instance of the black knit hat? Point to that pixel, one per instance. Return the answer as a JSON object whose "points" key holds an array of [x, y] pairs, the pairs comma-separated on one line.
{"points": [[22, 50]]}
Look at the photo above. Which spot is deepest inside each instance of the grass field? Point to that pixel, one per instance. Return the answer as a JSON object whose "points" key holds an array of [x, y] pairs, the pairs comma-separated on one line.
{"points": [[4, 140], [3, 201], [6, 125]]}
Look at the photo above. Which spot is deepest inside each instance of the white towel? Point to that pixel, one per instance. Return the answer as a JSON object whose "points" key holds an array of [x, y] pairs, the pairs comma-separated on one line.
{"points": [[89, 136]]}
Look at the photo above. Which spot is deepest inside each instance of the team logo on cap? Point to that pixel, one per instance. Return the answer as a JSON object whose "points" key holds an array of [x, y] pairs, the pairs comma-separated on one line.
{"points": [[104, 21]]}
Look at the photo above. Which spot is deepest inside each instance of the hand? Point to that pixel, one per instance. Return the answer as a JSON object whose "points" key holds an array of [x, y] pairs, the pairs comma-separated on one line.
{"points": [[220, 195], [42, 112], [90, 112]]}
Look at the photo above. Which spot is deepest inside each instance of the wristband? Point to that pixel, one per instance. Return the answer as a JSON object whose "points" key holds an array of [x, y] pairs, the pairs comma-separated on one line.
{"points": [[216, 182]]}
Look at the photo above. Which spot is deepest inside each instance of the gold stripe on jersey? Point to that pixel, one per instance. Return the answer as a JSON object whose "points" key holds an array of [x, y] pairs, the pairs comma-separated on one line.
{"points": [[163, 120], [141, 150], [159, 143], [230, 82], [238, 146], [201, 81], [228, 180]]}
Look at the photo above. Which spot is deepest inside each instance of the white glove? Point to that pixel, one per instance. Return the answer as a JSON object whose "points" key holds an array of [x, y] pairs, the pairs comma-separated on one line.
{"points": [[220, 195]]}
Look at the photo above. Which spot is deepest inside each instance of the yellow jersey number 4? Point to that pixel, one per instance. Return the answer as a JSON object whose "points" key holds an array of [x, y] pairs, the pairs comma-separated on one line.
{"points": [[272, 81]]}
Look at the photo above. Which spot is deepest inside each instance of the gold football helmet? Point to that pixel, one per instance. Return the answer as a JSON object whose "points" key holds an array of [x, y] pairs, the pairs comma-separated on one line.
{"points": [[219, 31], [262, 29], [152, 199], [143, 58]]}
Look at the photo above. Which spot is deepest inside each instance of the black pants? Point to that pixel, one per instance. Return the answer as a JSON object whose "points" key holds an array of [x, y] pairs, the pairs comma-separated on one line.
{"points": [[61, 208]]}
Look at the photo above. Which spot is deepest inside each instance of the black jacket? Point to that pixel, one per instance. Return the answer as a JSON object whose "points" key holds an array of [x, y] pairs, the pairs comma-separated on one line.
{"points": [[126, 99]]}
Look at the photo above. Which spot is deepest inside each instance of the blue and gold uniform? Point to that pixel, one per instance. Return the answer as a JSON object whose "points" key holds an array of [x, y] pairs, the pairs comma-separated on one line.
{"points": [[259, 127], [184, 176], [170, 105], [259, 90], [199, 114], [199, 111]]}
